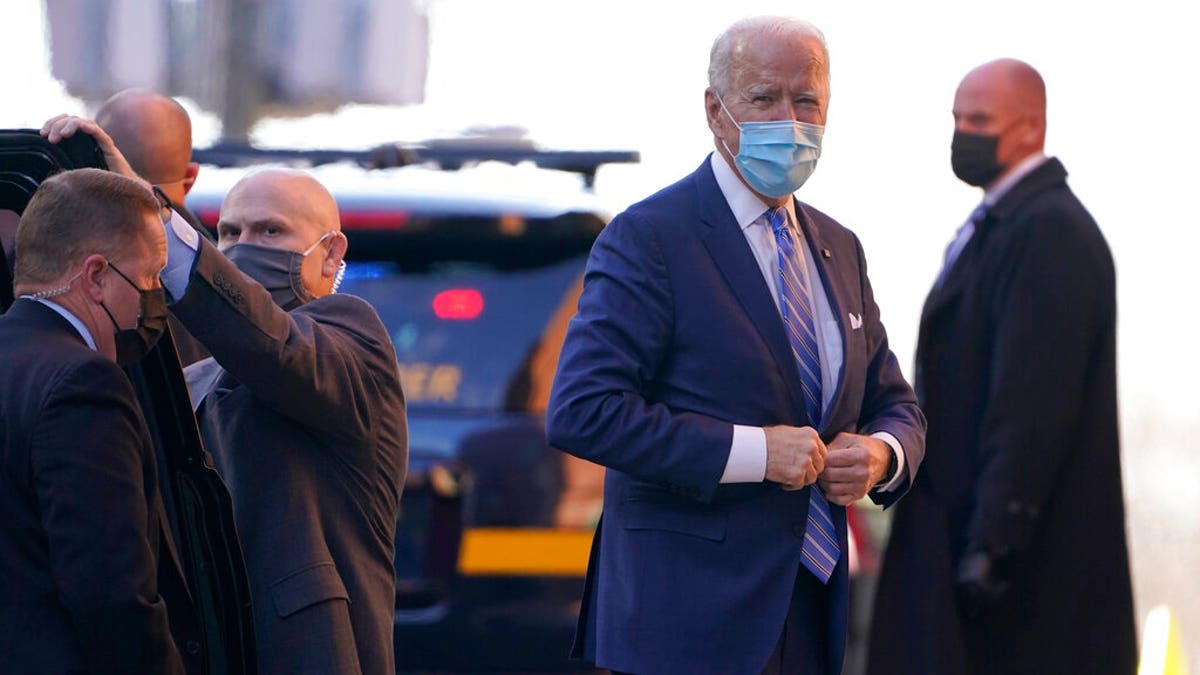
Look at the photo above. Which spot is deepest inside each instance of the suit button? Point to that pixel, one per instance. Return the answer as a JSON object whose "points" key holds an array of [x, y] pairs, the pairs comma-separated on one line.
{"points": [[192, 647], [798, 530]]}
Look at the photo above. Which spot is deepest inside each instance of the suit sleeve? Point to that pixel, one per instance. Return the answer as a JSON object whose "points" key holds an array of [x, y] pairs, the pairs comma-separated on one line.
{"points": [[322, 364], [88, 457], [599, 408], [1047, 317], [889, 404]]}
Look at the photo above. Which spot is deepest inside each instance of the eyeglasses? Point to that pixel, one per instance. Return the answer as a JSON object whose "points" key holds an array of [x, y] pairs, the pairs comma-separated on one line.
{"points": [[164, 205]]}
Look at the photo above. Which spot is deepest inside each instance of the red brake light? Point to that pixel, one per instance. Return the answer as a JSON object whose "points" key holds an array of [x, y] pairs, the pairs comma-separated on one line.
{"points": [[458, 304], [373, 220], [209, 217]]}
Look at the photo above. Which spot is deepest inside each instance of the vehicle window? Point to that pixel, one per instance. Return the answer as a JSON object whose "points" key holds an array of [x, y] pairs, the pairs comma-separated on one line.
{"points": [[465, 332]]}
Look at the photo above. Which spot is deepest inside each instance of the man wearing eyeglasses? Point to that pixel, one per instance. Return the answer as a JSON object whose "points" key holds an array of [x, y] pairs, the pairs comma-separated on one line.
{"points": [[84, 544]]}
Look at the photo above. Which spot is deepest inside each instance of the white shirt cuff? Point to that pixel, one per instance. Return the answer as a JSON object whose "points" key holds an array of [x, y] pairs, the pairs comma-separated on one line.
{"points": [[747, 461], [183, 243], [899, 451]]}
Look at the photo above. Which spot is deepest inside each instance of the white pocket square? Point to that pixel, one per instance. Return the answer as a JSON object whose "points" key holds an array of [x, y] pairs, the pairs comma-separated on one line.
{"points": [[855, 321]]}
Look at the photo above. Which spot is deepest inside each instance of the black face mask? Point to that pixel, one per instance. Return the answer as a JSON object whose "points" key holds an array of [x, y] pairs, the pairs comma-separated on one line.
{"points": [[973, 158], [278, 271], [133, 344]]}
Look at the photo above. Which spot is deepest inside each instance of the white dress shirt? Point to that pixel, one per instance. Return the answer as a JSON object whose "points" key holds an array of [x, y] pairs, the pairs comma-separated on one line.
{"points": [[747, 461]]}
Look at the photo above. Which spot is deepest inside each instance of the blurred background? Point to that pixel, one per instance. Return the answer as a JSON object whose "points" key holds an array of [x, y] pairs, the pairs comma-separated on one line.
{"points": [[630, 74]]}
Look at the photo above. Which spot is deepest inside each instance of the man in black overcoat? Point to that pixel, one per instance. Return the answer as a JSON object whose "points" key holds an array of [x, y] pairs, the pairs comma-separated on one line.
{"points": [[1009, 554]]}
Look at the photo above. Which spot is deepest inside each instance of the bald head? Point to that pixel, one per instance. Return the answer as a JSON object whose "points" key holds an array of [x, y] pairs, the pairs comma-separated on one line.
{"points": [[1014, 83], [154, 133], [1005, 98], [287, 194], [290, 210]]}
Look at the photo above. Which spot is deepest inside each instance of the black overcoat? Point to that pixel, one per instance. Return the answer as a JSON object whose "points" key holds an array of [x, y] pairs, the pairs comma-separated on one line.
{"points": [[1016, 373]]}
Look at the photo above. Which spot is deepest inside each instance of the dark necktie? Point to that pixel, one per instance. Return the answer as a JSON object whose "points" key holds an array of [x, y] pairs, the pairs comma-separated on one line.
{"points": [[964, 234], [819, 551]]}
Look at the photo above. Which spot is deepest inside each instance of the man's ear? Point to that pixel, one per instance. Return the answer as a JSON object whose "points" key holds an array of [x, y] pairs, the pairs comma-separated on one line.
{"points": [[712, 110], [94, 267], [334, 255], [189, 178]]}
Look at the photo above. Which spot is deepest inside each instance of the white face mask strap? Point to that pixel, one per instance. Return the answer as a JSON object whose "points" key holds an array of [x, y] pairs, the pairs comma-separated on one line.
{"points": [[727, 113], [317, 243]]}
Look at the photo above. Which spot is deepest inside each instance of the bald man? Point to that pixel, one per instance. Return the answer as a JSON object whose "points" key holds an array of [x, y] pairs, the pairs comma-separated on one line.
{"points": [[1009, 554], [154, 133], [302, 409]]}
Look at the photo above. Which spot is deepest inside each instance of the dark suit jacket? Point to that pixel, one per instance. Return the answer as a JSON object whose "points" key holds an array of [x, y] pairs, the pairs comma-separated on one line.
{"points": [[1016, 371], [676, 339], [82, 538], [304, 414]]}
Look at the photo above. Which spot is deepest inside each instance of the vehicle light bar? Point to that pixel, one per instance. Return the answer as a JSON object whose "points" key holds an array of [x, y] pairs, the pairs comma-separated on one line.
{"points": [[446, 155]]}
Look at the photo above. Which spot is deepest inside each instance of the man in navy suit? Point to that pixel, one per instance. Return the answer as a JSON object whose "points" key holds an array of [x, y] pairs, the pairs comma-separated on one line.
{"points": [[728, 365], [85, 553]]}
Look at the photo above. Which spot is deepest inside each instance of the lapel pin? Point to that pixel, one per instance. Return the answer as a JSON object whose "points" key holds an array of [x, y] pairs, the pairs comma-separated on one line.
{"points": [[826, 254]]}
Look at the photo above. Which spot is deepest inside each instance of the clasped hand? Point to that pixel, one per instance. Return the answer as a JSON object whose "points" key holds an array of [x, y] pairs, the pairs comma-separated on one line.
{"points": [[846, 469]]}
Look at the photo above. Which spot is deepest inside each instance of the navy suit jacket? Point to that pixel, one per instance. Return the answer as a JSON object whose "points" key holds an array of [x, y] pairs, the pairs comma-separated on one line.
{"points": [[676, 339], [83, 547]]}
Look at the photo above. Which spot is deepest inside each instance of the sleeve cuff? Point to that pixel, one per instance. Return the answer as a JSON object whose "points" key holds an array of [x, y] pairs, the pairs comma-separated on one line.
{"points": [[894, 444], [183, 243], [747, 461]]}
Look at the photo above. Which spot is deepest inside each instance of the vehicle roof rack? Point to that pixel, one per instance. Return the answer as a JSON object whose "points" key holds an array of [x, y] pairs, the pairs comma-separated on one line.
{"points": [[447, 154]]}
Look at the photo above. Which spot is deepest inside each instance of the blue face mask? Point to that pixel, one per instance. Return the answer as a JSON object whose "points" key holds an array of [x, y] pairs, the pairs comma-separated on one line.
{"points": [[775, 158]]}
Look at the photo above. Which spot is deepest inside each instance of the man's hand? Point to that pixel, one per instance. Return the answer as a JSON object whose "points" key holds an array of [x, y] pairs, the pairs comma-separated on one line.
{"points": [[980, 582], [795, 456], [854, 465], [65, 126]]}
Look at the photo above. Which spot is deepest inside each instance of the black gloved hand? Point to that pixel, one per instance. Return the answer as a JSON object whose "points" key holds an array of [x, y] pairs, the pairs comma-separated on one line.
{"points": [[980, 582]]}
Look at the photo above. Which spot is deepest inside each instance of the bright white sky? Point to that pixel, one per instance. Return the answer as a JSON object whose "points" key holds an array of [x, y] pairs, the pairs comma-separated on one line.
{"points": [[630, 74]]}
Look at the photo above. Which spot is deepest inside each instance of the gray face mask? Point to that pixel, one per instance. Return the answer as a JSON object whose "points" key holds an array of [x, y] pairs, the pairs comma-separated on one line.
{"points": [[278, 270]]}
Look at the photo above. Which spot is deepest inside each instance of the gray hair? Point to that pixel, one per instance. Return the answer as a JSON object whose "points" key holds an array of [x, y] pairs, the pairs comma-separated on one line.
{"points": [[730, 43]]}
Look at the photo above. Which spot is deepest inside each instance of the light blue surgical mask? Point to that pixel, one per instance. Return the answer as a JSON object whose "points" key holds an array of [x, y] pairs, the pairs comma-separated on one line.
{"points": [[776, 158]]}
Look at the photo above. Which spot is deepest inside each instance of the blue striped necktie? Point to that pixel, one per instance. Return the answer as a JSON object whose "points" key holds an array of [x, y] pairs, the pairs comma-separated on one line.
{"points": [[819, 552]]}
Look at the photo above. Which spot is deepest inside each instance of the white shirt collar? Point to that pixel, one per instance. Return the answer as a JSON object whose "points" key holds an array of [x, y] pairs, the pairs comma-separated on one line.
{"points": [[746, 206], [1014, 176]]}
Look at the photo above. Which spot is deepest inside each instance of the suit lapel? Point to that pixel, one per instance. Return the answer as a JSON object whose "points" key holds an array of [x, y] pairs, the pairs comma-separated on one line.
{"points": [[729, 250], [1048, 175], [826, 264]]}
